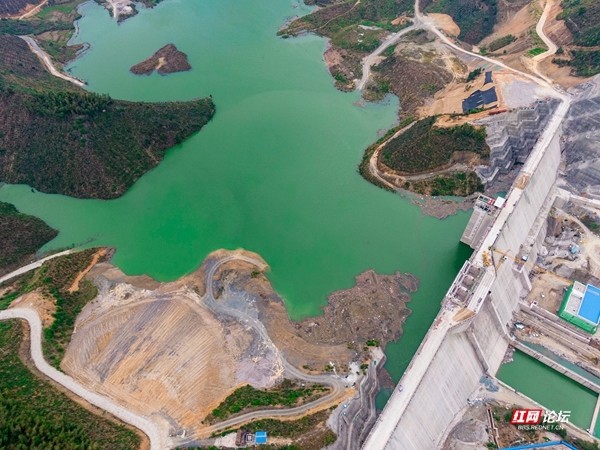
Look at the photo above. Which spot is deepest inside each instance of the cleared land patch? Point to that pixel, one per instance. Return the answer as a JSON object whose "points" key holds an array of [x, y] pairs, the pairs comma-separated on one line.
{"points": [[52, 27], [160, 353], [355, 29], [412, 71]]}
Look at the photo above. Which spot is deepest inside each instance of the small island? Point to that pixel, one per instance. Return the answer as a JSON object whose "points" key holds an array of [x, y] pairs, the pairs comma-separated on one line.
{"points": [[166, 60]]}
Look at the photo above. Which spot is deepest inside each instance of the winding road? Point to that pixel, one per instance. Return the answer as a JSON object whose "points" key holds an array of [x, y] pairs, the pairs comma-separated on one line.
{"points": [[157, 440], [33, 265], [423, 22], [335, 382], [372, 57], [47, 61]]}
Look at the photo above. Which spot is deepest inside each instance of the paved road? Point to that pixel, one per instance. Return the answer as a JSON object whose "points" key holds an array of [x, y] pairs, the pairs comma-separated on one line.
{"points": [[337, 384], [47, 61], [32, 266], [157, 440], [552, 47], [429, 24], [373, 169], [423, 22], [539, 28]]}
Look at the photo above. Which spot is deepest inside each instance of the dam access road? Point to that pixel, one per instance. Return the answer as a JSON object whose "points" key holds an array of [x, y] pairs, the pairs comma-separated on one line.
{"points": [[47, 61]]}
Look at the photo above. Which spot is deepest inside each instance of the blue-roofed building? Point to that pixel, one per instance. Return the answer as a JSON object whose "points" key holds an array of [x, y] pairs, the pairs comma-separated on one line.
{"points": [[488, 77], [479, 99], [260, 437], [581, 306], [553, 445]]}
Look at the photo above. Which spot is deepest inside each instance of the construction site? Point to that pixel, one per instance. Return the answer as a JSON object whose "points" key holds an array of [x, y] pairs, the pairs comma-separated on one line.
{"points": [[177, 352], [518, 327]]}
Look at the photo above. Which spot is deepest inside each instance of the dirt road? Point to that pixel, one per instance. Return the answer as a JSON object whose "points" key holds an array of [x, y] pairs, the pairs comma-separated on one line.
{"points": [[373, 169], [32, 266], [552, 47], [47, 61], [338, 385], [158, 441], [371, 58], [33, 11]]}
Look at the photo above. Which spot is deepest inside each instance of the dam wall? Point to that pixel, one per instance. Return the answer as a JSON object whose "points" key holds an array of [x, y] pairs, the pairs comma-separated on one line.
{"points": [[469, 337], [512, 136]]}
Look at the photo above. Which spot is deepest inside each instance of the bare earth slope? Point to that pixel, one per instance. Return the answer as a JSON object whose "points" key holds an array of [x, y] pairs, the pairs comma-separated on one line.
{"points": [[158, 353], [172, 352]]}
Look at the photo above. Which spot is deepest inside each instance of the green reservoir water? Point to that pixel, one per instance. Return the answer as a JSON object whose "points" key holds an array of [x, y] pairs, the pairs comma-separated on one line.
{"points": [[275, 172], [549, 388]]}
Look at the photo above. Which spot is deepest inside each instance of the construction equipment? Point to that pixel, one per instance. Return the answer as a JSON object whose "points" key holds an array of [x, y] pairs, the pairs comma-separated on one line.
{"points": [[524, 262], [487, 262]]}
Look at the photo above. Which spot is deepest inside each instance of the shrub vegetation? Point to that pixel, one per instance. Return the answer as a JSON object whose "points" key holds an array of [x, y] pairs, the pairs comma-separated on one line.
{"points": [[425, 147], [503, 41], [476, 18], [245, 398]]}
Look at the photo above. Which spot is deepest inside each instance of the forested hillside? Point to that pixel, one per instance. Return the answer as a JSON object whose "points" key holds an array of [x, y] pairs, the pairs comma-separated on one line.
{"points": [[476, 18], [582, 18], [35, 415], [21, 236], [58, 138], [425, 147]]}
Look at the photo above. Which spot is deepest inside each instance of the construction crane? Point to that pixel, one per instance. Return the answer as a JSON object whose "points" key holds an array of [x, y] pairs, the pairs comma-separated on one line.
{"points": [[521, 262]]}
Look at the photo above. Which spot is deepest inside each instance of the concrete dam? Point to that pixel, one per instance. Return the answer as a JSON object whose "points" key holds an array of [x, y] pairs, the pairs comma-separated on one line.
{"points": [[470, 335]]}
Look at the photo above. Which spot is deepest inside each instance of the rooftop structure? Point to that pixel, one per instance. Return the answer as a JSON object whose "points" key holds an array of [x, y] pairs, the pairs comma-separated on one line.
{"points": [[581, 306], [479, 99], [260, 437], [488, 78], [484, 213], [554, 445]]}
